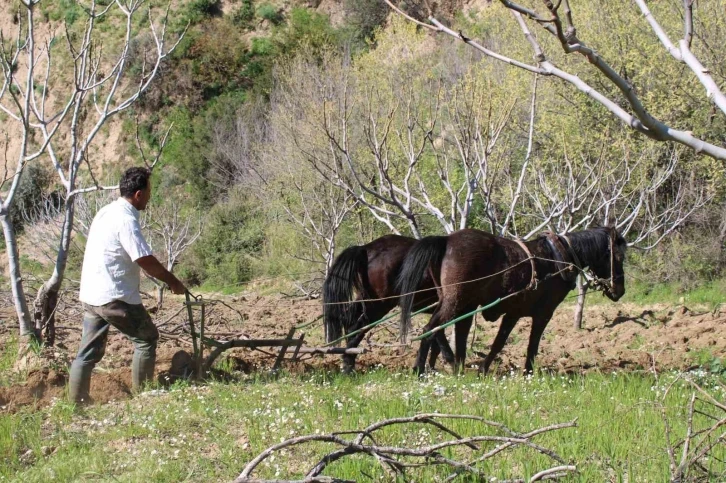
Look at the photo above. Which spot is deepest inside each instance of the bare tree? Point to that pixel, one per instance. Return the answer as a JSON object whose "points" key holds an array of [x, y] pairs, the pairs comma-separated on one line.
{"points": [[380, 144], [319, 212], [236, 158], [646, 201], [21, 61], [559, 23], [100, 89], [175, 231]]}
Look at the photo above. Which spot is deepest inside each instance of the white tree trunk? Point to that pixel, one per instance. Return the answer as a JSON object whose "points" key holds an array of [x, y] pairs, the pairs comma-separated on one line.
{"points": [[580, 307], [16, 280], [47, 298], [159, 296]]}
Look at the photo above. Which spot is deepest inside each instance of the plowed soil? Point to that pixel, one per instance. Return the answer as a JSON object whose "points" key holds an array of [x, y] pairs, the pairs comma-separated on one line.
{"points": [[618, 337]]}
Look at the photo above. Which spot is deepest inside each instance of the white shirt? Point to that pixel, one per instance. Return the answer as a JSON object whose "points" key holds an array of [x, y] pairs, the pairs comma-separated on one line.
{"points": [[114, 244]]}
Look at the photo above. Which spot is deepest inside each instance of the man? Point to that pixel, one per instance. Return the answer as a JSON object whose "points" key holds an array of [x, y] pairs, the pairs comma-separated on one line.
{"points": [[115, 252]]}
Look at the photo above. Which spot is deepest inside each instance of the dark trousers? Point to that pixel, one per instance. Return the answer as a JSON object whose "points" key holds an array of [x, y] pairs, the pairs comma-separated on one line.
{"points": [[131, 320]]}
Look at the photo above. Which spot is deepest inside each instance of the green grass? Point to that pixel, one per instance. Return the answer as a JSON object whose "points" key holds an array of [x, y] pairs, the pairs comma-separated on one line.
{"points": [[208, 433], [709, 293], [7, 360]]}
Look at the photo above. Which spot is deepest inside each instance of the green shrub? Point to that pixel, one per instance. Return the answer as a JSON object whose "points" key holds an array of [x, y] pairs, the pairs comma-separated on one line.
{"points": [[365, 15], [306, 28], [30, 194], [270, 13], [198, 10], [244, 15], [67, 10], [233, 236]]}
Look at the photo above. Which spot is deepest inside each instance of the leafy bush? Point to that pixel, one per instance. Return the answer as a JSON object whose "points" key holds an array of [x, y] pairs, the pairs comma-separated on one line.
{"points": [[190, 149], [67, 10], [365, 15], [223, 255], [30, 194], [244, 15], [198, 10], [270, 13], [214, 59], [306, 29]]}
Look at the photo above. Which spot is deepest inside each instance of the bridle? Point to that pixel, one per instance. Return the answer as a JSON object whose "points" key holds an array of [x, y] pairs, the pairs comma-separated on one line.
{"points": [[590, 276]]}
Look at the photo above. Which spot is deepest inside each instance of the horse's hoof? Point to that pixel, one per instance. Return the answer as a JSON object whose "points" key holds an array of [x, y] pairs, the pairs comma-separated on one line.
{"points": [[418, 371], [348, 370]]}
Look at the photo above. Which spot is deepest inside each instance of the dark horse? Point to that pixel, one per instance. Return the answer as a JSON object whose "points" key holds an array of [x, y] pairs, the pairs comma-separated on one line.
{"points": [[370, 272], [468, 255]]}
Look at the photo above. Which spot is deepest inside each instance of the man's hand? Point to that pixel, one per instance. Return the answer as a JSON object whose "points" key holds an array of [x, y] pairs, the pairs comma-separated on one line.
{"points": [[177, 287], [154, 268]]}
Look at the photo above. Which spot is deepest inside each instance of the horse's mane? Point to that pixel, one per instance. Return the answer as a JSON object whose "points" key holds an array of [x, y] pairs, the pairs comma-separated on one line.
{"points": [[592, 244]]}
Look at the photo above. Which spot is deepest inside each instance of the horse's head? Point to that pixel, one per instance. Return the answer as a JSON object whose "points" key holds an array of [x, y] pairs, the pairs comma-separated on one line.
{"points": [[608, 264]]}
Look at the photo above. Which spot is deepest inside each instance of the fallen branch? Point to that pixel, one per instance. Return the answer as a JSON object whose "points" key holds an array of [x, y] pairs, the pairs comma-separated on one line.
{"points": [[697, 460], [395, 459]]}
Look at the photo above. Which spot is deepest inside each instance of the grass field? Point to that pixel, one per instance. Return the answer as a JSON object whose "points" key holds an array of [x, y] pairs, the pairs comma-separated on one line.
{"points": [[208, 433]]}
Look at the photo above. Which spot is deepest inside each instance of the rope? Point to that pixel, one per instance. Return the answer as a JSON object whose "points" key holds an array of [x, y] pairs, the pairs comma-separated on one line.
{"points": [[308, 324], [378, 322], [461, 317], [481, 309], [390, 297]]}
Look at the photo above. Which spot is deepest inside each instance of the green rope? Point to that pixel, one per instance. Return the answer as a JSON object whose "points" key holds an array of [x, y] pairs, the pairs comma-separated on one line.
{"points": [[378, 322], [452, 322], [307, 324]]}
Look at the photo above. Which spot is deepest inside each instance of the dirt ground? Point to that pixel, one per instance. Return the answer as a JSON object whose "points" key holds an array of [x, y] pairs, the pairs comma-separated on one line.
{"points": [[618, 337]]}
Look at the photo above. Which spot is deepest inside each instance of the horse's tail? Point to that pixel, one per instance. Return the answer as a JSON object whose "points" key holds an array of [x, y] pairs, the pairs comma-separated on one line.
{"points": [[426, 254], [349, 272]]}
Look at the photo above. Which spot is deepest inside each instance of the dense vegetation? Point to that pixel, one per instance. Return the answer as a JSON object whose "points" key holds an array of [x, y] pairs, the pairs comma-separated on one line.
{"points": [[246, 88]]}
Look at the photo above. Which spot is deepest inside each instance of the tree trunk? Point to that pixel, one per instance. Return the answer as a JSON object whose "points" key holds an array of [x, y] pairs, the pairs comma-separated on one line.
{"points": [[45, 305], [580, 307], [27, 332], [159, 296], [46, 301], [722, 239]]}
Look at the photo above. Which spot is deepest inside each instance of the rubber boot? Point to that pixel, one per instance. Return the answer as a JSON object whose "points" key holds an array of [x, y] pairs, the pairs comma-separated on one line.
{"points": [[142, 369], [79, 382]]}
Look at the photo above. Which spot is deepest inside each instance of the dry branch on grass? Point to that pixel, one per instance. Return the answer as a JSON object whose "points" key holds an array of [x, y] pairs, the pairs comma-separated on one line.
{"points": [[396, 459], [702, 448]]}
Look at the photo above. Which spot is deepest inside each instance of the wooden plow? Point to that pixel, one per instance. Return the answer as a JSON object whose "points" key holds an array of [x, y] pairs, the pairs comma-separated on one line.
{"points": [[291, 342]]}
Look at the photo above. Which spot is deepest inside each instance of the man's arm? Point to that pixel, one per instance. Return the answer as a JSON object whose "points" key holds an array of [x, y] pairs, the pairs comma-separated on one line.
{"points": [[154, 268]]}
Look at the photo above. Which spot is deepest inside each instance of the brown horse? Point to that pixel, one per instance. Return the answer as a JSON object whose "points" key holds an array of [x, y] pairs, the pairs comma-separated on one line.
{"points": [[361, 273], [499, 267]]}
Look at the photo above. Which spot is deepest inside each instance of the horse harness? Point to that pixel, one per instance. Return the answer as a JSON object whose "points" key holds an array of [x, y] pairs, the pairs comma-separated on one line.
{"points": [[566, 267], [533, 281], [559, 248]]}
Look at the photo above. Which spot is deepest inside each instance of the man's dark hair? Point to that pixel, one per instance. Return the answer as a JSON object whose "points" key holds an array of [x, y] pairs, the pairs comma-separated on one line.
{"points": [[133, 180]]}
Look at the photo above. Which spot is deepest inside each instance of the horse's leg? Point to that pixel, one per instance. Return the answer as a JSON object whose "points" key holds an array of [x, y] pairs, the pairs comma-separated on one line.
{"points": [[374, 311], [441, 347], [434, 352], [349, 359], [538, 326], [425, 345], [461, 329], [505, 328]]}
